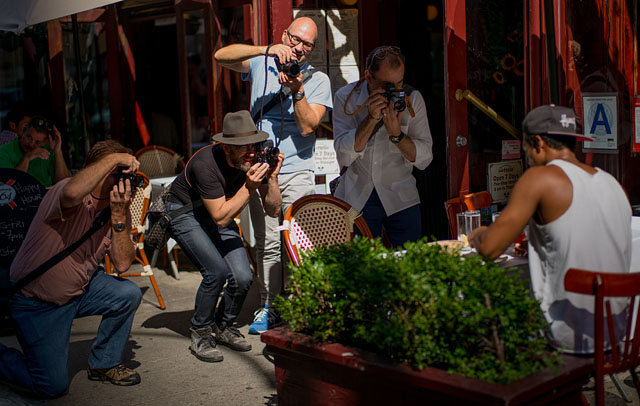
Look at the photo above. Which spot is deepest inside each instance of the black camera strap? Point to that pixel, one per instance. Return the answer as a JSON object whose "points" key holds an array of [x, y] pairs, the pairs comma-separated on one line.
{"points": [[282, 94], [98, 223]]}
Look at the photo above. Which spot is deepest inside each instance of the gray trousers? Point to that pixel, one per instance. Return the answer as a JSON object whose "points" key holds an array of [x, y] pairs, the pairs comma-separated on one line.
{"points": [[268, 239]]}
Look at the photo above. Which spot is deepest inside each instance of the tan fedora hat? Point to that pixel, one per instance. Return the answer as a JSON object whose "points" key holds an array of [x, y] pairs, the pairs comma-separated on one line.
{"points": [[239, 129]]}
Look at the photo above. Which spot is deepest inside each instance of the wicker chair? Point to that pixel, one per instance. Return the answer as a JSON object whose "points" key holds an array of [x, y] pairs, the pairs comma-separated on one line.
{"points": [[316, 220], [138, 211], [157, 161]]}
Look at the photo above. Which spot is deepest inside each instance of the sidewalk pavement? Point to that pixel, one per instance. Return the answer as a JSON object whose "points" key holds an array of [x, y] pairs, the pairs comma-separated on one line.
{"points": [[159, 350]]}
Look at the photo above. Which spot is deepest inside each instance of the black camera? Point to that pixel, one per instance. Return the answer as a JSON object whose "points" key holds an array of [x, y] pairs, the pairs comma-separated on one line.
{"points": [[136, 180], [396, 97], [291, 68], [267, 153]]}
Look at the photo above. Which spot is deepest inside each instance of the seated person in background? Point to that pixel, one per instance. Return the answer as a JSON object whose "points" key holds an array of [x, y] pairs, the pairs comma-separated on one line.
{"points": [[30, 152], [15, 122], [578, 217], [44, 310], [219, 180], [380, 146]]}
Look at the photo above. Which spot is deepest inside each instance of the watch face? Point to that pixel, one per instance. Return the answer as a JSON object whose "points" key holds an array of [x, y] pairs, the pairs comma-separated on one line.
{"points": [[118, 227]]}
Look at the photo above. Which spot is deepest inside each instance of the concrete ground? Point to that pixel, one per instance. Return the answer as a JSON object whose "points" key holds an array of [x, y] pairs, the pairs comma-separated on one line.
{"points": [[171, 375]]}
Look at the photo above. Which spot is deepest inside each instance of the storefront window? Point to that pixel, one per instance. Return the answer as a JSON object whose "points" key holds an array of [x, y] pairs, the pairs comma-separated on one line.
{"points": [[495, 74]]}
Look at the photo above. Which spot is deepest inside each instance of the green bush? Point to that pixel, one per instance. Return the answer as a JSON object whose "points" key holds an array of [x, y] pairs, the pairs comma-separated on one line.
{"points": [[428, 307]]}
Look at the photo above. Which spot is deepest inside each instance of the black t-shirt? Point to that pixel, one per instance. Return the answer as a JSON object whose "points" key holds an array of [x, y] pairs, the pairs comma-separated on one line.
{"points": [[210, 176]]}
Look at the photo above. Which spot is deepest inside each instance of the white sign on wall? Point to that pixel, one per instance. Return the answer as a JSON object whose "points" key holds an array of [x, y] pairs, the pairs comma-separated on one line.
{"points": [[502, 177], [600, 120], [325, 157]]}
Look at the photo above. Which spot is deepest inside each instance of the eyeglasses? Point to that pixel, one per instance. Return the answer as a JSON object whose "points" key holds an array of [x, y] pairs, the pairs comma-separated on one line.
{"points": [[382, 53], [295, 40], [40, 125]]}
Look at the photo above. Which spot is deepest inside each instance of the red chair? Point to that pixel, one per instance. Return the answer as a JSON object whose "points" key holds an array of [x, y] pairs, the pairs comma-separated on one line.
{"points": [[470, 201], [621, 357], [316, 220], [138, 210]]}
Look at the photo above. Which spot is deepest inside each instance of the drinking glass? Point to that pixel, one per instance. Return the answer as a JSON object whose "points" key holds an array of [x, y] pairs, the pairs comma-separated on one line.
{"points": [[471, 220], [494, 216], [460, 222]]}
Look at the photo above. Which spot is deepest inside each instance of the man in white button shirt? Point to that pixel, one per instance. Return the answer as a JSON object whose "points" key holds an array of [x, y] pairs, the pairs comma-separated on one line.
{"points": [[381, 132]]}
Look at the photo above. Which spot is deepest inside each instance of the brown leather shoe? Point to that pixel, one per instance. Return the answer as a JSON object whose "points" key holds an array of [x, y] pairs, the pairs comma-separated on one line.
{"points": [[118, 375]]}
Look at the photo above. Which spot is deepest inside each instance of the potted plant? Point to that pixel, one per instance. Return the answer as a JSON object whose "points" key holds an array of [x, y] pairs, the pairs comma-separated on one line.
{"points": [[367, 325]]}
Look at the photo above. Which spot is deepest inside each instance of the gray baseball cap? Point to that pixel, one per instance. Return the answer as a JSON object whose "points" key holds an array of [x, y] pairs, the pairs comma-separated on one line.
{"points": [[553, 120]]}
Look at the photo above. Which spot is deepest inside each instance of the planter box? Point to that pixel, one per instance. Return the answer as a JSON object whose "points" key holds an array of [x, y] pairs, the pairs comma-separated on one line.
{"points": [[309, 373]]}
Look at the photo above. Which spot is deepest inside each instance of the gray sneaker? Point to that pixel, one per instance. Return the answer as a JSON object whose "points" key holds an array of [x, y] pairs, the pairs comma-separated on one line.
{"points": [[232, 338], [203, 346]]}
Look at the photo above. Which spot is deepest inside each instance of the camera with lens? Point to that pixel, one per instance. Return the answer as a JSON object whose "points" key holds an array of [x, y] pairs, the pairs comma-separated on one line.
{"points": [[267, 153], [135, 179], [291, 68], [396, 97]]}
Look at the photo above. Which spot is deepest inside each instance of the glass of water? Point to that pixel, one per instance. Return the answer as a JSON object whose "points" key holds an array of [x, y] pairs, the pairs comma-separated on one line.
{"points": [[471, 220], [460, 222]]}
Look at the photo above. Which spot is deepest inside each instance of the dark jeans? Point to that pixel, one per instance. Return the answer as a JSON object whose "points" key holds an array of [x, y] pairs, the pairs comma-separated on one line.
{"points": [[403, 226], [220, 256], [43, 330]]}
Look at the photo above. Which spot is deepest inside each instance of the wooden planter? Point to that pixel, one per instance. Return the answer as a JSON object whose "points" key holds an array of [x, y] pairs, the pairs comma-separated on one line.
{"points": [[309, 373]]}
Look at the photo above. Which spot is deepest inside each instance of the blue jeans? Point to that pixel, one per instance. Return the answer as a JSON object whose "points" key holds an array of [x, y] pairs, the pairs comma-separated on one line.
{"points": [[403, 226], [219, 254], [43, 330]]}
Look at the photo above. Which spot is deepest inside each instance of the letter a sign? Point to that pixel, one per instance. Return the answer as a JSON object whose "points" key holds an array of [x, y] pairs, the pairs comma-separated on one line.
{"points": [[600, 120]]}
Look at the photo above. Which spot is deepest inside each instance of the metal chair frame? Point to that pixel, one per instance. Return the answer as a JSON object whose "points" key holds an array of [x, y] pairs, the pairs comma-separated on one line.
{"points": [[319, 219], [607, 285], [138, 211]]}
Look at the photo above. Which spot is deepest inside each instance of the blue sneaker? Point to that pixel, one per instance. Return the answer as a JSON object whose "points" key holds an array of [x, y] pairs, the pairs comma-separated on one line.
{"points": [[263, 320]]}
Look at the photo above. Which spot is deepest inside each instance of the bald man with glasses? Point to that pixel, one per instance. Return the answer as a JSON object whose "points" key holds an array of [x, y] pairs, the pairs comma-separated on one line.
{"points": [[291, 125], [381, 132]]}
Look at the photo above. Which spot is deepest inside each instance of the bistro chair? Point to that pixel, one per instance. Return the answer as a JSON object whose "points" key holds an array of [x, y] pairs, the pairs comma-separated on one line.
{"points": [[470, 201], [316, 220], [157, 161], [138, 210], [621, 357]]}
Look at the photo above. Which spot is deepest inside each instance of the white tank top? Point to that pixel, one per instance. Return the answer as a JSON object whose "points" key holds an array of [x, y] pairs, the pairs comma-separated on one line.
{"points": [[593, 234]]}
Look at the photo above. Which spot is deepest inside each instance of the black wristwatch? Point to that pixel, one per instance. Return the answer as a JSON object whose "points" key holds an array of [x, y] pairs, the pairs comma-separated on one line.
{"points": [[119, 227], [397, 138], [298, 95]]}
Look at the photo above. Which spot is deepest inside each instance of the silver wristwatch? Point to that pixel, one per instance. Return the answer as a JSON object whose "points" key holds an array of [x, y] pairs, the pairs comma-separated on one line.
{"points": [[298, 95]]}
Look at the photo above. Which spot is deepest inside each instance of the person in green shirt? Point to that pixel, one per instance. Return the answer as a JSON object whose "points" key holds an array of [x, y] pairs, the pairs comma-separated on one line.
{"points": [[37, 151]]}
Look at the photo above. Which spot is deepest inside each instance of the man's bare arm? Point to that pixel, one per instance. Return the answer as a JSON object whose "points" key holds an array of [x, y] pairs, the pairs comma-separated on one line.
{"points": [[523, 203]]}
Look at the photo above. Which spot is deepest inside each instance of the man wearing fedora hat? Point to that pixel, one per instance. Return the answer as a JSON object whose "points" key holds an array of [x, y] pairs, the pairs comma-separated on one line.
{"points": [[218, 181], [291, 124], [578, 217]]}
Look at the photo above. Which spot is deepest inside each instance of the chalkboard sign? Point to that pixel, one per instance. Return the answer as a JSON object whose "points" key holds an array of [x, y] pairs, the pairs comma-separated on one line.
{"points": [[20, 196]]}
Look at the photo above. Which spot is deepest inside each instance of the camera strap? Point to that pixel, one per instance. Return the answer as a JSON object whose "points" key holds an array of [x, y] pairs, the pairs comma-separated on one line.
{"points": [[98, 223], [282, 94]]}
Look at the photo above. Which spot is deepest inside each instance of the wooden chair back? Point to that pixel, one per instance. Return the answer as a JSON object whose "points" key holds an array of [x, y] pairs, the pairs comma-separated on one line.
{"points": [[157, 161], [470, 201], [317, 220], [604, 286]]}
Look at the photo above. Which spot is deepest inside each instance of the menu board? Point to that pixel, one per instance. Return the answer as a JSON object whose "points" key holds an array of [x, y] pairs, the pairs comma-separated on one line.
{"points": [[325, 157], [502, 177], [20, 196]]}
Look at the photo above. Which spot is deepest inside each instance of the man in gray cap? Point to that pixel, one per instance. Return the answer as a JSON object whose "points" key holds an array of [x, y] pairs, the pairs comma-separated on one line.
{"points": [[578, 217], [218, 182]]}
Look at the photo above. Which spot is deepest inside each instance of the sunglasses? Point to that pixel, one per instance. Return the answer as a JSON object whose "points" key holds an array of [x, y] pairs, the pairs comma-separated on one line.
{"points": [[382, 52]]}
